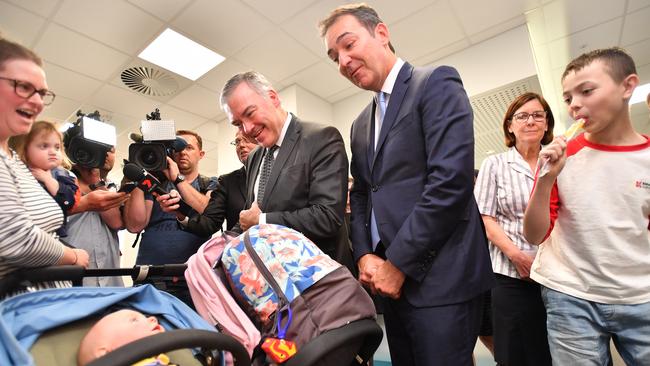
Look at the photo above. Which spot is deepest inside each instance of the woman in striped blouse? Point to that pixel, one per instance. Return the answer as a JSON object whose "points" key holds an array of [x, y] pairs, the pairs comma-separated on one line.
{"points": [[502, 189], [29, 216]]}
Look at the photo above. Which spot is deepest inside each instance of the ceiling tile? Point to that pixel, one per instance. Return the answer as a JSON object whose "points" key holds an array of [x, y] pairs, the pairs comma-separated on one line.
{"points": [[600, 36], [183, 83], [644, 73], [564, 17], [636, 27], [303, 27], [76, 52], [198, 100], [183, 120], [62, 109], [477, 16], [115, 23], [69, 83], [225, 26], [436, 27], [208, 131], [19, 25], [289, 56], [442, 52], [163, 9], [114, 100], [391, 11], [346, 93], [640, 52], [634, 5], [321, 79], [216, 78], [497, 29], [278, 10], [41, 7], [123, 123]]}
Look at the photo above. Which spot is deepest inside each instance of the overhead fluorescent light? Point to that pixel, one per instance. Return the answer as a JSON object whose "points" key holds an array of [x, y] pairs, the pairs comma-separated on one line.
{"points": [[181, 55], [640, 93]]}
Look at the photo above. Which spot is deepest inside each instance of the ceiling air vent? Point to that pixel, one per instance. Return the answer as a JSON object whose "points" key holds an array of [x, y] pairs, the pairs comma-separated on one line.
{"points": [[149, 81]]}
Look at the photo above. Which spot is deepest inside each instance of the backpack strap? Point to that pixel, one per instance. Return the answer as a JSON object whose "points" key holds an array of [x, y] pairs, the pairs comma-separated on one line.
{"points": [[204, 182]]}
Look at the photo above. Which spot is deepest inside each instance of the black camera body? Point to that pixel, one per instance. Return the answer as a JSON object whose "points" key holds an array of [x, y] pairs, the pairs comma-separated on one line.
{"points": [[157, 141], [89, 140]]}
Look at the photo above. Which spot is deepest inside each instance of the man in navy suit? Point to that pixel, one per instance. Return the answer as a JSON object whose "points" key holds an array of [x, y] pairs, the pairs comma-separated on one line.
{"points": [[416, 232]]}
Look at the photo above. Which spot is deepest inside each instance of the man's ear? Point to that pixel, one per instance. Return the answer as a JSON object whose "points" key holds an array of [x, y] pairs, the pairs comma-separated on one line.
{"points": [[381, 32], [630, 83], [274, 97]]}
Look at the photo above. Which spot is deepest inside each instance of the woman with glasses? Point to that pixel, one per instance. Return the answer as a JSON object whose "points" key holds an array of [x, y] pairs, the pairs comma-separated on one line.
{"points": [[502, 190], [29, 215]]}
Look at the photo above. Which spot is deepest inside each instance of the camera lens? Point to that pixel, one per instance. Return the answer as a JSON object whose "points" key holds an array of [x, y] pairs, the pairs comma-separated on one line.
{"points": [[82, 157], [150, 158]]}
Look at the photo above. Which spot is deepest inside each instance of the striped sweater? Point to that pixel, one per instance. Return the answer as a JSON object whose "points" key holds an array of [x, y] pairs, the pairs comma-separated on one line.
{"points": [[28, 218]]}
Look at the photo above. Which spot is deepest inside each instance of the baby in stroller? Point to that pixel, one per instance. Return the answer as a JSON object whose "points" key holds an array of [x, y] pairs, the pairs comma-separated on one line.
{"points": [[27, 317], [115, 330]]}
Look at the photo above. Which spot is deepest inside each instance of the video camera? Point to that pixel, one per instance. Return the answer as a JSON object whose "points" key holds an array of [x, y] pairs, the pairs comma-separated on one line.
{"points": [[157, 141], [88, 140]]}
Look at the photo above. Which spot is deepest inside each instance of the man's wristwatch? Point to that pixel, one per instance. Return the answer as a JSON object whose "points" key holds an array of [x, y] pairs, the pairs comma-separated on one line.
{"points": [[179, 178]]}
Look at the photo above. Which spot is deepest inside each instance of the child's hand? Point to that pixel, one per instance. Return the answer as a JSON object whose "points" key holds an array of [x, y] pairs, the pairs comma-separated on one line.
{"points": [[555, 152], [45, 177], [41, 175]]}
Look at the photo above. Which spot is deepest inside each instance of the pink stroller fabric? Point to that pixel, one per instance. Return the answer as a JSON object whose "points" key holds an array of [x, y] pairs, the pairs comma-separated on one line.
{"points": [[212, 299]]}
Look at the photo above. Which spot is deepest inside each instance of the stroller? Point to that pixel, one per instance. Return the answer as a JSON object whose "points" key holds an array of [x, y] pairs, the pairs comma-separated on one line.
{"points": [[366, 333], [213, 294], [46, 327]]}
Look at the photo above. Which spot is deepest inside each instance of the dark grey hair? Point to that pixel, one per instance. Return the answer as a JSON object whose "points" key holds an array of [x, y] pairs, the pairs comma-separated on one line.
{"points": [[254, 79], [364, 13]]}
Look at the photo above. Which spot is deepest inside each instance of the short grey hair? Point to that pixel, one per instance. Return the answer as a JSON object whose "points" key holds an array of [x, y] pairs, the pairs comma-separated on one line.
{"points": [[254, 79]]}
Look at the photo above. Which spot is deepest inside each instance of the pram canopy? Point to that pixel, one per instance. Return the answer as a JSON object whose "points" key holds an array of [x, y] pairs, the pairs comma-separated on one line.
{"points": [[25, 317]]}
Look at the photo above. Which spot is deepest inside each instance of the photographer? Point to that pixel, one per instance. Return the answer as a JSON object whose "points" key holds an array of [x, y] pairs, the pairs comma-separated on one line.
{"points": [[96, 232], [163, 240], [226, 202]]}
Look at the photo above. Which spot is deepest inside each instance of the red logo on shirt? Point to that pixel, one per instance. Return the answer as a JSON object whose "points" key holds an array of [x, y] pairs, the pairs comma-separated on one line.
{"points": [[642, 184]]}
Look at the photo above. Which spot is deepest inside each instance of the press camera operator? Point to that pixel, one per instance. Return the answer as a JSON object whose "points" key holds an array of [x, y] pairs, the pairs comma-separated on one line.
{"points": [[90, 145], [163, 240], [96, 231]]}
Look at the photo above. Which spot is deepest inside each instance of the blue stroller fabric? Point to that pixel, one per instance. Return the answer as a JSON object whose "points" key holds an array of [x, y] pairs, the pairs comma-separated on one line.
{"points": [[25, 317]]}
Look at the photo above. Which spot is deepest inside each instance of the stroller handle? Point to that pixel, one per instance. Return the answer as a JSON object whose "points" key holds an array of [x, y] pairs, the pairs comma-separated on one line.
{"points": [[173, 340]]}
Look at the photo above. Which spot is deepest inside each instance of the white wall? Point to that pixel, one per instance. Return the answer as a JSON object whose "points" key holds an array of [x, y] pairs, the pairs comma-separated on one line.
{"points": [[346, 110]]}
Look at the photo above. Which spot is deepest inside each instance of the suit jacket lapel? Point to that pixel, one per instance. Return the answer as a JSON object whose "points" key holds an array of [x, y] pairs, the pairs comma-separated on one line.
{"points": [[394, 104], [252, 169], [242, 187], [369, 122], [289, 142]]}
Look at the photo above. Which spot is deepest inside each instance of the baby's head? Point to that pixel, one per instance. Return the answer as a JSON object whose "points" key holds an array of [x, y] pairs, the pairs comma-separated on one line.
{"points": [[42, 147], [113, 331]]}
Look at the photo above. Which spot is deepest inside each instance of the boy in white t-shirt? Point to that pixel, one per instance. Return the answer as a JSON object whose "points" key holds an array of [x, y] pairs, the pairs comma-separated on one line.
{"points": [[594, 264]]}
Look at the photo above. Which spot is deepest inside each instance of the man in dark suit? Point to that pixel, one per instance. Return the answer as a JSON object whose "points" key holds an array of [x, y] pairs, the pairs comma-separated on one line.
{"points": [[227, 200], [299, 178], [417, 234]]}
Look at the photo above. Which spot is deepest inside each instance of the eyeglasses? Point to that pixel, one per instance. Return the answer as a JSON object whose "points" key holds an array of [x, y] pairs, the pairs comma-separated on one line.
{"points": [[236, 142], [26, 90], [522, 117]]}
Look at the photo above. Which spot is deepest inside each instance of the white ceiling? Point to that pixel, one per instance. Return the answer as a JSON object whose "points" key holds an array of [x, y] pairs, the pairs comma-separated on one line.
{"points": [[87, 43]]}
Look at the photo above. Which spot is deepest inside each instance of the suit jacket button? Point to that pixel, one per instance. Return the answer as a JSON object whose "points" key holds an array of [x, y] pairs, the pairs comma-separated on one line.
{"points": [[375, 188]]}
